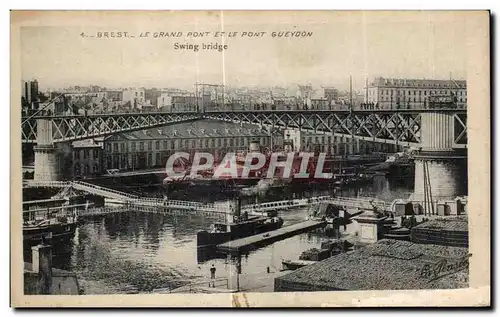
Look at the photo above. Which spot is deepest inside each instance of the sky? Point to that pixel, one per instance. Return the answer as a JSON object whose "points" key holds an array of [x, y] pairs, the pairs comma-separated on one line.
{"points": [[360, 44]]}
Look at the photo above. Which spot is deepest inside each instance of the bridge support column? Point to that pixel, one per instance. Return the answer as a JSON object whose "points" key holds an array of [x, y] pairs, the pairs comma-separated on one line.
{"points": [[295, 135], [46, 159], [439, 169]]}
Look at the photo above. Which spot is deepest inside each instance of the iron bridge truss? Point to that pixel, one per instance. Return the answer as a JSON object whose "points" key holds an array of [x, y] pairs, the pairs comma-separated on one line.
{"points": [[386, 126], [72, 128], [394, 127]]}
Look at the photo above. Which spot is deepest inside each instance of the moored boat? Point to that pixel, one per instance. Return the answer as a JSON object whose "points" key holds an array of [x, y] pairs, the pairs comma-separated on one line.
{"points": [[238, 226], [50, 223]]}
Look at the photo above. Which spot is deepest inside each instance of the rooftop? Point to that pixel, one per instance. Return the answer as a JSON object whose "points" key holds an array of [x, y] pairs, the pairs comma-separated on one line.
{"points": [[385, 265], [87, 143], [421, 83]]}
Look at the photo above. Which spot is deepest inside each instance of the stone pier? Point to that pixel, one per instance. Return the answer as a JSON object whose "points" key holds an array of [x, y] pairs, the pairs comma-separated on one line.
{"points": [[46, 158], [439, 168]]}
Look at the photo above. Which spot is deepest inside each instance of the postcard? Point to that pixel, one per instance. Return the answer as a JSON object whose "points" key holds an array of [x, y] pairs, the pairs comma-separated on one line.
{"points": [[250, 158]]}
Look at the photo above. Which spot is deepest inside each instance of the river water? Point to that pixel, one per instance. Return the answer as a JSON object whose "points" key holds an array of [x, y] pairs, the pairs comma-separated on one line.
{"points": [[137, 253]]}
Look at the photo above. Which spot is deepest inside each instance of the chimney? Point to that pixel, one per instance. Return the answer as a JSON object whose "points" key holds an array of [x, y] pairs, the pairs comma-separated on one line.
{"points": [[42, 265], [189, 131], [160, 131], [175, 132]]}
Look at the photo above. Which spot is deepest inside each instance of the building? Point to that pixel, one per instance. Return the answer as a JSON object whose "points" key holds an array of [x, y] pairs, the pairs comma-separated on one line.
{"points": [[87, 157], [136, 97], [284, 102], [181, 102], [151, 148], [390, 93], [333, 145], [330, 94], [114, 95]]}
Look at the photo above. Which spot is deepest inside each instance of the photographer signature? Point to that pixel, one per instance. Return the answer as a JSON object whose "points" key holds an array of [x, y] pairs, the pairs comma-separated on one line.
{"points": [[444, 268]]}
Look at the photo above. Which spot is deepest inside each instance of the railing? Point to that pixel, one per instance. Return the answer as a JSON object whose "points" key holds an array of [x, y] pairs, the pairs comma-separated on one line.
{"points": [[97, 211], [365, 203], [35, 183], [155, 202], [102, 189], [284, 204]]}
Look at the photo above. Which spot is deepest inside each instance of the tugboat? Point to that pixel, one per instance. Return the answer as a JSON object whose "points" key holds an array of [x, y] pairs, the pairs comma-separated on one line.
{"points": [[238, 226]]}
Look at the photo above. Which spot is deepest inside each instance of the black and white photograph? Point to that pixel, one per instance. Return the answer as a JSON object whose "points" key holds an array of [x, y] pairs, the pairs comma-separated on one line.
{"points": [[226, 152]]}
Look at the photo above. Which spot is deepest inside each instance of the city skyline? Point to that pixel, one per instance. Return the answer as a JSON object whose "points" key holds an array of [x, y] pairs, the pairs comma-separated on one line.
{"points": [[413, 45]]}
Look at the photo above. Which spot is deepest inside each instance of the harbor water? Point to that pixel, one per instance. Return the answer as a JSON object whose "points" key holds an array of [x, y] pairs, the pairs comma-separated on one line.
{"points": [[137, 253]]}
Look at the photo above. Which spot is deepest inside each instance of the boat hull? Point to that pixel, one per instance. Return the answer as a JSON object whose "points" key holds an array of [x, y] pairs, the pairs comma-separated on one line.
{"points": [[33, 235], [206, 239]]}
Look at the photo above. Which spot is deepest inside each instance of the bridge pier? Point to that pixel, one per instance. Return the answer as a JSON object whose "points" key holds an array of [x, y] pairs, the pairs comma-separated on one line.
{"points": [[439, 169], [46, 159]]}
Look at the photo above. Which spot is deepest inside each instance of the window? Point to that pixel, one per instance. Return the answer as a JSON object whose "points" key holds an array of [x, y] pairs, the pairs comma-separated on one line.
{"points": [[219, 142], [158, 160], [150, 145], [122, 147], [85, 154], [115, 147], [150, 159], [206, 143], [96, 153], [172, 144], [165, 145], [133, 147], [212, 142], [193, 144], [242, 141], [141, 146], [231, 142], [157, 145], [225, 142]]}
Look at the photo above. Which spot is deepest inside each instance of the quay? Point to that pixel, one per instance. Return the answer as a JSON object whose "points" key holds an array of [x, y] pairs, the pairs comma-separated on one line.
{"points": [[259, 240]]}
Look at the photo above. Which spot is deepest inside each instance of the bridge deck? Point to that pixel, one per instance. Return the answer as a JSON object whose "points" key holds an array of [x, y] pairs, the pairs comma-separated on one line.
{"points": [[252, 242]]}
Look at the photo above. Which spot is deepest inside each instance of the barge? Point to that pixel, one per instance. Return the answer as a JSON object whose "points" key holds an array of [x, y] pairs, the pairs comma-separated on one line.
{"points": [[238, 226]]}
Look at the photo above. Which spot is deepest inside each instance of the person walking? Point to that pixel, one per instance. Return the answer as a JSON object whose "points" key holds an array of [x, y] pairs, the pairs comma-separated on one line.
{"points": [[212, 274]]}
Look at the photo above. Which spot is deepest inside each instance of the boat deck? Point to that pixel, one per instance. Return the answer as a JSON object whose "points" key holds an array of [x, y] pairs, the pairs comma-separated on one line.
{"points": [[255, 241]]}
